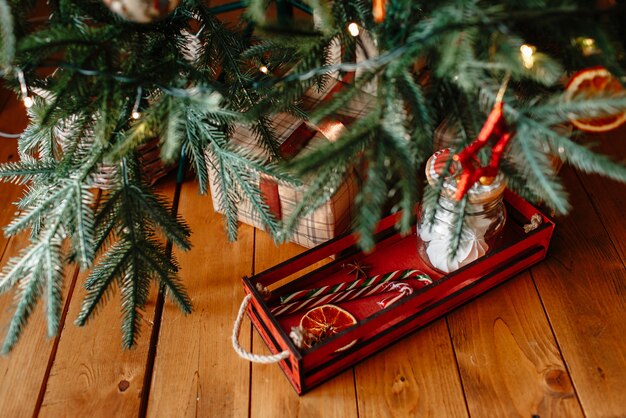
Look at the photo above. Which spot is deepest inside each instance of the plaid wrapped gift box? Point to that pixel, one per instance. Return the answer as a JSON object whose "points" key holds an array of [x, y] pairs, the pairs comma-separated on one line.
{"points": [[330, 219]]}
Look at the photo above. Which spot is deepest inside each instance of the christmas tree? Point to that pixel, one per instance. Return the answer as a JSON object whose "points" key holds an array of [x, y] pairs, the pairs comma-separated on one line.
{"points": [[102, 80]]}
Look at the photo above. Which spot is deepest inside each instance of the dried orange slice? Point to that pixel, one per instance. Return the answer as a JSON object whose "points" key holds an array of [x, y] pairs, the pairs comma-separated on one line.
{"points": [[324, 322], [588, 83]]}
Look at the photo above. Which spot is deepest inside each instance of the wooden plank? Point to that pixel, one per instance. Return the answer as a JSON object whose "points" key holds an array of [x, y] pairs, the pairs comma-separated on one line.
{"points": [[583, 288], [509, 362], [100, 377], [272, 396], [271, 393], [24, 369], [415, 377], [196, 371], [609, 197]]}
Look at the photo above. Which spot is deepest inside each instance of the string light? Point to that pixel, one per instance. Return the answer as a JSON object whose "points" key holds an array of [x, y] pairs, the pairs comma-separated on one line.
{"points": [[588, 42], [528, 55], [28, 101], [136, 114], [353, 28], [264, 69], [587, 46]]}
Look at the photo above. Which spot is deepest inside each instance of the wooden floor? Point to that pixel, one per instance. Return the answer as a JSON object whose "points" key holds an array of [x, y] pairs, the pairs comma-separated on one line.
{"points": [[550, 342]]}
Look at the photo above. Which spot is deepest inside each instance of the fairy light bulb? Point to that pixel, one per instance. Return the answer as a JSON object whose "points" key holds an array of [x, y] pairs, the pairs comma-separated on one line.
{"points": [[588, 42], [264, 69], [26, 99], [135, 113], [588, 46], [353, 28], [28, 102], [528, 55]]}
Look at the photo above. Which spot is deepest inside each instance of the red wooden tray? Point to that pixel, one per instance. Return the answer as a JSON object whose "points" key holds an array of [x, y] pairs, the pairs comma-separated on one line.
{"points": [[376, 327]]}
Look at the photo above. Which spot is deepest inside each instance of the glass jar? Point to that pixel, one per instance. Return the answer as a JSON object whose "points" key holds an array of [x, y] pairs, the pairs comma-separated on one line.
{"points": [[485, 216]]}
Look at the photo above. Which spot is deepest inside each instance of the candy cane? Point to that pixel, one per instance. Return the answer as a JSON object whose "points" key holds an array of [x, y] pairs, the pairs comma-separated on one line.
{"points": [[351, 294], [356, 284]]}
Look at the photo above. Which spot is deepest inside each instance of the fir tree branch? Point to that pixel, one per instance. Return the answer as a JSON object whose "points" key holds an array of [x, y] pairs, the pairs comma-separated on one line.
{"points": [[23, 172], [106, 217], [27, 217], [166, 272], [457, 227], [39, 139], [414, 96], [102, 277], [135, 259], [372, 196], [172, 136], [226, 195], [532, 121], [84, 226], [288, 48], [231, 48], [39, 265], [561, 110], [196, 139], [582, 157], [53, 38], [343, 98], [432, 195], [538, 170], [396, 147], [340, 152], [131, 314], [507, 59], [324, 12], [30, 293], [175, 229], [250, 189], [255, 10], [53, 272], [245, 159], [319, 189], [17, 267]]}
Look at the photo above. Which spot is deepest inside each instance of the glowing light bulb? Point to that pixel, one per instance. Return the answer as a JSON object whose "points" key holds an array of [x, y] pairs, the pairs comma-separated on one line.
{"points": [[588, 42], [528, 55], [28, 102], [135, 115], [588, 46], [264, 69], [353, 28]]}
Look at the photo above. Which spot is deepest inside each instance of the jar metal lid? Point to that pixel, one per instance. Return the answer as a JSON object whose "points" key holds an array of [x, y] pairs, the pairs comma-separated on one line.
{"points": [[480, 192]]}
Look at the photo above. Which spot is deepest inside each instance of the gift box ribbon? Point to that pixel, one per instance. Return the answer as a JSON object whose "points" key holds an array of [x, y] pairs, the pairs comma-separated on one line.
{"points": [[297, 141], [288, 149]]}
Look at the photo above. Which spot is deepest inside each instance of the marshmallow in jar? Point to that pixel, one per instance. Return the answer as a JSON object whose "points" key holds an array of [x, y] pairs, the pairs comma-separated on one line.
{"points": [[485, 217]]}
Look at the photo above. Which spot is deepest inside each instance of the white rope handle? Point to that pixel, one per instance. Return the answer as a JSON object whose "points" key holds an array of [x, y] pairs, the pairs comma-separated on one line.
{"points": [[255, 358]]}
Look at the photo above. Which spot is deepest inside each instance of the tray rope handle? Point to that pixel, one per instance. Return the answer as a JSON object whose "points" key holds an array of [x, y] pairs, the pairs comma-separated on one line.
{"points": [[255, 358]]}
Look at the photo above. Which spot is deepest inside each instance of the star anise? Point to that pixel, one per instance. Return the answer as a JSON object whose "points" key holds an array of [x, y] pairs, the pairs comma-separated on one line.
{"points": [[357, 269]]}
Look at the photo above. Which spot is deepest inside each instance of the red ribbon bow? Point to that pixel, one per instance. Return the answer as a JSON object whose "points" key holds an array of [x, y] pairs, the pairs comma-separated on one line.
{"points": [[471, 172]]}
